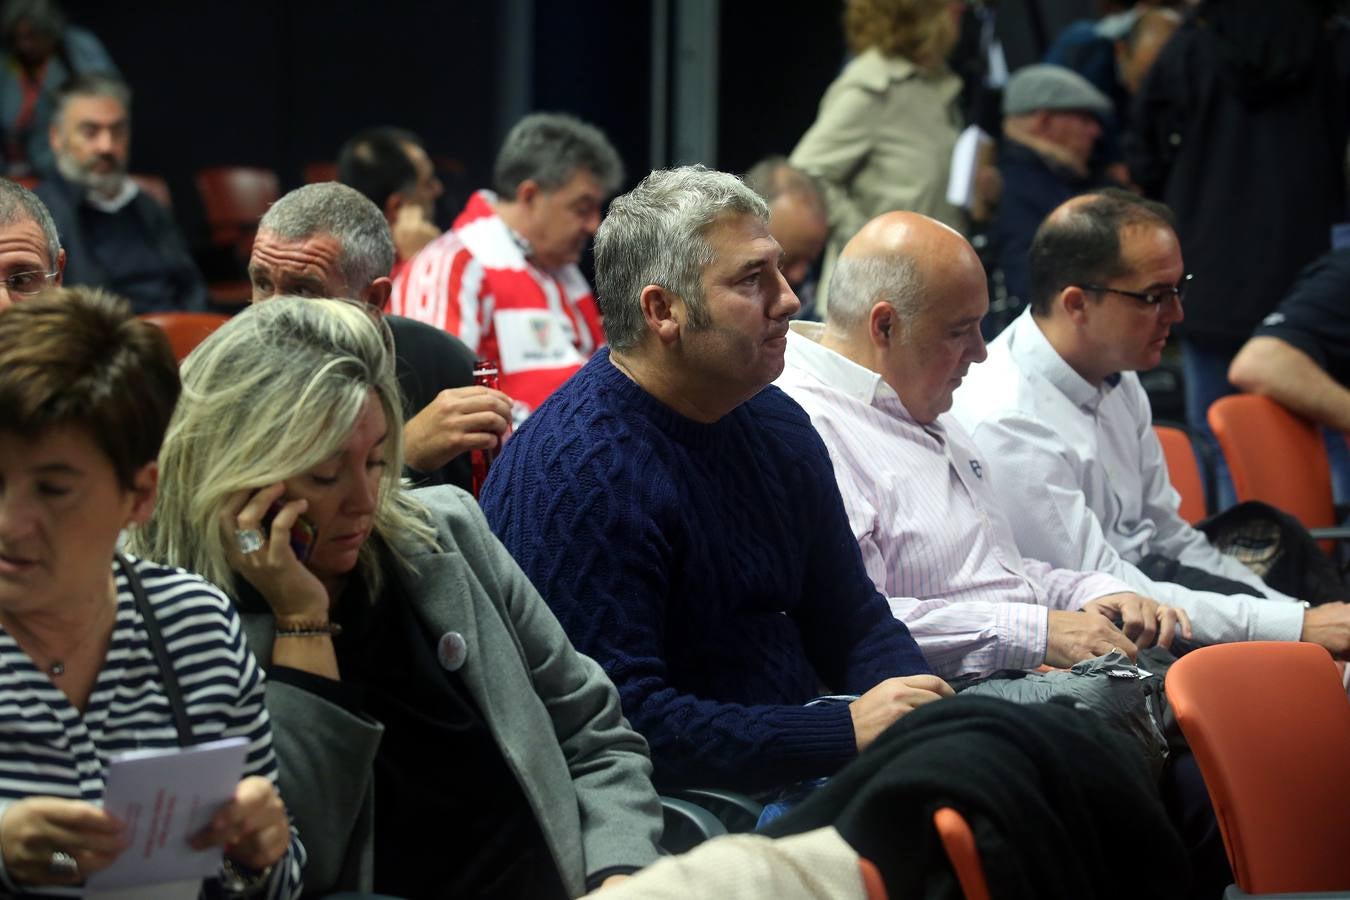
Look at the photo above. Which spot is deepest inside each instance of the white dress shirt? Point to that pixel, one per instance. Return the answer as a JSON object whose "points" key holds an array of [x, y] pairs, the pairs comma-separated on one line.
{"points": [[932, 535], [1082, 476]]}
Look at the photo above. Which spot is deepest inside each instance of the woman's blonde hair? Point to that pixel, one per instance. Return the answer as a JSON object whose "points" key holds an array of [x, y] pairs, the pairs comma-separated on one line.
{"points": [[921, 31], [269, 395]]}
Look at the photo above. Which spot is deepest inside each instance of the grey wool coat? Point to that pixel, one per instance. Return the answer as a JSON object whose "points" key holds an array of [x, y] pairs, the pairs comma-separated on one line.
{"points": [[554, 714]]}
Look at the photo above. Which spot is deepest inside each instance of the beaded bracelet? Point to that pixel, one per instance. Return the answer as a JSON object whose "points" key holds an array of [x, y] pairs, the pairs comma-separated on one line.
{"points": [[309, 629]]}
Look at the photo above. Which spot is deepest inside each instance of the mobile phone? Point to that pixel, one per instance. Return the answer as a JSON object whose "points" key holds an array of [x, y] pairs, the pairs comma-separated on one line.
{"points": [[302, 532]]}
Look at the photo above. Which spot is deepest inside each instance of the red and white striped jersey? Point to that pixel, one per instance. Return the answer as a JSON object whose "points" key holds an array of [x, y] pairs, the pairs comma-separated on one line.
{"points": [[475, 282]]}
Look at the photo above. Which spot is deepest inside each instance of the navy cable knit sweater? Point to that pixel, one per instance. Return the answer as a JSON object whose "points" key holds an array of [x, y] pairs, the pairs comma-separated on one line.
{"points": [[709, 569]]}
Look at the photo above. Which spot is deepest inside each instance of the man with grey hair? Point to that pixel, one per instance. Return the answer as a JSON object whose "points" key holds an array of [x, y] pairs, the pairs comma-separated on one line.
{"points": [[661, 502], [119, 238], [327, 240], [798, 220], [31, 257], [906, 299], [505, 277]]}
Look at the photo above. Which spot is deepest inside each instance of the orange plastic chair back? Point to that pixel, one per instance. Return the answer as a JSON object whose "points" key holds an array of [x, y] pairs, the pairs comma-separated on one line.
{"points": [[186, 330], [959, 842], [235, 197], [873, 884], [1275, 456], [1183, 471], [1269, 724], [156, 188], [315, 172]]}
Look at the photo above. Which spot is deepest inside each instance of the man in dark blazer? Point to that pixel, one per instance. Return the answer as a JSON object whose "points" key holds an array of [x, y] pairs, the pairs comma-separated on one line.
{"points": [[118, 237]]}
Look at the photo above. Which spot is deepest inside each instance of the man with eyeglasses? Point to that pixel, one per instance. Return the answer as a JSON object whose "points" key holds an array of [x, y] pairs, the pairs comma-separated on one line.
{"points": [[1059, 415], [31, 257]]}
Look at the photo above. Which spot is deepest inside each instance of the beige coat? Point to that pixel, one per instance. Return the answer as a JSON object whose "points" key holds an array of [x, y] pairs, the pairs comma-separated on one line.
{"points": [[882, 141]]}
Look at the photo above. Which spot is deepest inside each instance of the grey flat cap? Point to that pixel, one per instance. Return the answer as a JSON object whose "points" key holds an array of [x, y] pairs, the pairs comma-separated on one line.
{"points": [[1050, 87]]}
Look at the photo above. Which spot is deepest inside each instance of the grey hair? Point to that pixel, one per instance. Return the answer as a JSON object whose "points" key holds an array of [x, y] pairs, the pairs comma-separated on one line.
{"points": [[346, 214], [774, 176], [860, 282], [266, 397], [18, 204], [548, 149], [91, 84], [657, 234]]}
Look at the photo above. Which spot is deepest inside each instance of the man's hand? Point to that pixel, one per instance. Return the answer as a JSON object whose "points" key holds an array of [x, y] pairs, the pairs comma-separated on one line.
{"points": [[1143, 620], [875, 710], [1076, 636], [1329, 625], [412, 231], [36, 827], [458, 420]]}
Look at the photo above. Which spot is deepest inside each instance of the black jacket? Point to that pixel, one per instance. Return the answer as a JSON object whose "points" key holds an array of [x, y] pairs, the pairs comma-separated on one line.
{"points": [[1061, 805], [1253, 170], [83, 268]]}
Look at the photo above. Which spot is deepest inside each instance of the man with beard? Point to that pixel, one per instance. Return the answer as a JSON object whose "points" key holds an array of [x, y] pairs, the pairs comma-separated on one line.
{"points": [[115, 235]]}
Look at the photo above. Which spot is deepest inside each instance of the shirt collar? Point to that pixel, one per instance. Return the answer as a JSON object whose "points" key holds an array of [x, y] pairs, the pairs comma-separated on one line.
{"points": [[117, 201], [834, 370], [1033, 350], [489, 200]]}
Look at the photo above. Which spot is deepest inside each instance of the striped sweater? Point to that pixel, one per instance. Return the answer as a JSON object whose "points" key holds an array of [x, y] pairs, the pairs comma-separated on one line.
{"points": [[48, 748]]}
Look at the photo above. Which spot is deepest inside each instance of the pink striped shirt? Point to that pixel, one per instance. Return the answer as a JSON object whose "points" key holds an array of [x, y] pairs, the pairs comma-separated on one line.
{"points": [[932, 535]]}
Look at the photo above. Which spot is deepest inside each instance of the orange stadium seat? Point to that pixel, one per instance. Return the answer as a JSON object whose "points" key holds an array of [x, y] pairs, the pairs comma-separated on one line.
{"points": [[1269, 724], [1183, 470], [1278, 458], [959, 842], [234, 198], [185, 329]]}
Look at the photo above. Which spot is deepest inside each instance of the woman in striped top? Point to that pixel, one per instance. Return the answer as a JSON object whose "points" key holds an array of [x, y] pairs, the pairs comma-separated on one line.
{"points": [[99, 653]]}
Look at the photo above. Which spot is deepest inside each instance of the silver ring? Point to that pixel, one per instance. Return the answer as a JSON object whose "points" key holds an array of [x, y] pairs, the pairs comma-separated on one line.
{"points": [[250, 540], [63, 865]]}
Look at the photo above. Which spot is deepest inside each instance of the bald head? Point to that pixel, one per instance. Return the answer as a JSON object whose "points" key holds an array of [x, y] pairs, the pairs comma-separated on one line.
{"points": [[893, 259], [906, 301]]}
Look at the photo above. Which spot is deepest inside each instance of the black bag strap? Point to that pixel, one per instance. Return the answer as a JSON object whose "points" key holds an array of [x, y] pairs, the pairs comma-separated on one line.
{"points": [[161, 651]]}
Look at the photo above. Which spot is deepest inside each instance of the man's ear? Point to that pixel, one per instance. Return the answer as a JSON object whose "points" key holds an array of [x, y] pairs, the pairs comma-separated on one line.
{"points": [[392, 204], [377, 292], [528, 191], [883, 325], [60, 266], [662, 311], [144, 487], [1074, 301]]}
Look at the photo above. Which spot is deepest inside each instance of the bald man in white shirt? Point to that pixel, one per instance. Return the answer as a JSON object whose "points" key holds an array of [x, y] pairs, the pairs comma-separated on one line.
{"points": [[908, 294]]}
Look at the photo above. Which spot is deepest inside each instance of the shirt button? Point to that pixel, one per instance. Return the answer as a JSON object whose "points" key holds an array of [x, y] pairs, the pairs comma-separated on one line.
{"points": [[451, 651]]}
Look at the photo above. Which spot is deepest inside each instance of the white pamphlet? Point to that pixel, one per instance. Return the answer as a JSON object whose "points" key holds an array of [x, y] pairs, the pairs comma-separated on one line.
{"points": [[164, 797], [965, 162]]}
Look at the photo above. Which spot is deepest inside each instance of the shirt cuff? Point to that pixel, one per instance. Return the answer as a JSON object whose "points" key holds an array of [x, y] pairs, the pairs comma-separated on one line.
{"points": [[594, 880], [336, 692], [1023, 635]]}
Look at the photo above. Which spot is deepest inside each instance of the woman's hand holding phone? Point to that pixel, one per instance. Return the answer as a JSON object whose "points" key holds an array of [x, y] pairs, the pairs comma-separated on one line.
{"points": [[291, 590]]}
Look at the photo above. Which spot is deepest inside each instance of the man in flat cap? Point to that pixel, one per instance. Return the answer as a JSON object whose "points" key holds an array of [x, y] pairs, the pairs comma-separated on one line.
{"points": [[1052, 118]]}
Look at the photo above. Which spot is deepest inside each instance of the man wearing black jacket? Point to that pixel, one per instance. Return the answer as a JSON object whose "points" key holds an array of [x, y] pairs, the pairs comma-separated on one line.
{"points": [[116, 236]]}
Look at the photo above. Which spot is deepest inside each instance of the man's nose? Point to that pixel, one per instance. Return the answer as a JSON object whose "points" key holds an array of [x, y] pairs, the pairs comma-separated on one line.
{"points": [[788, 305]]}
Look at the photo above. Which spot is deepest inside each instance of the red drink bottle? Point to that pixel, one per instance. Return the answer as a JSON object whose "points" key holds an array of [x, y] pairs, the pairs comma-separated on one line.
{"points": [[484, 375]]}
